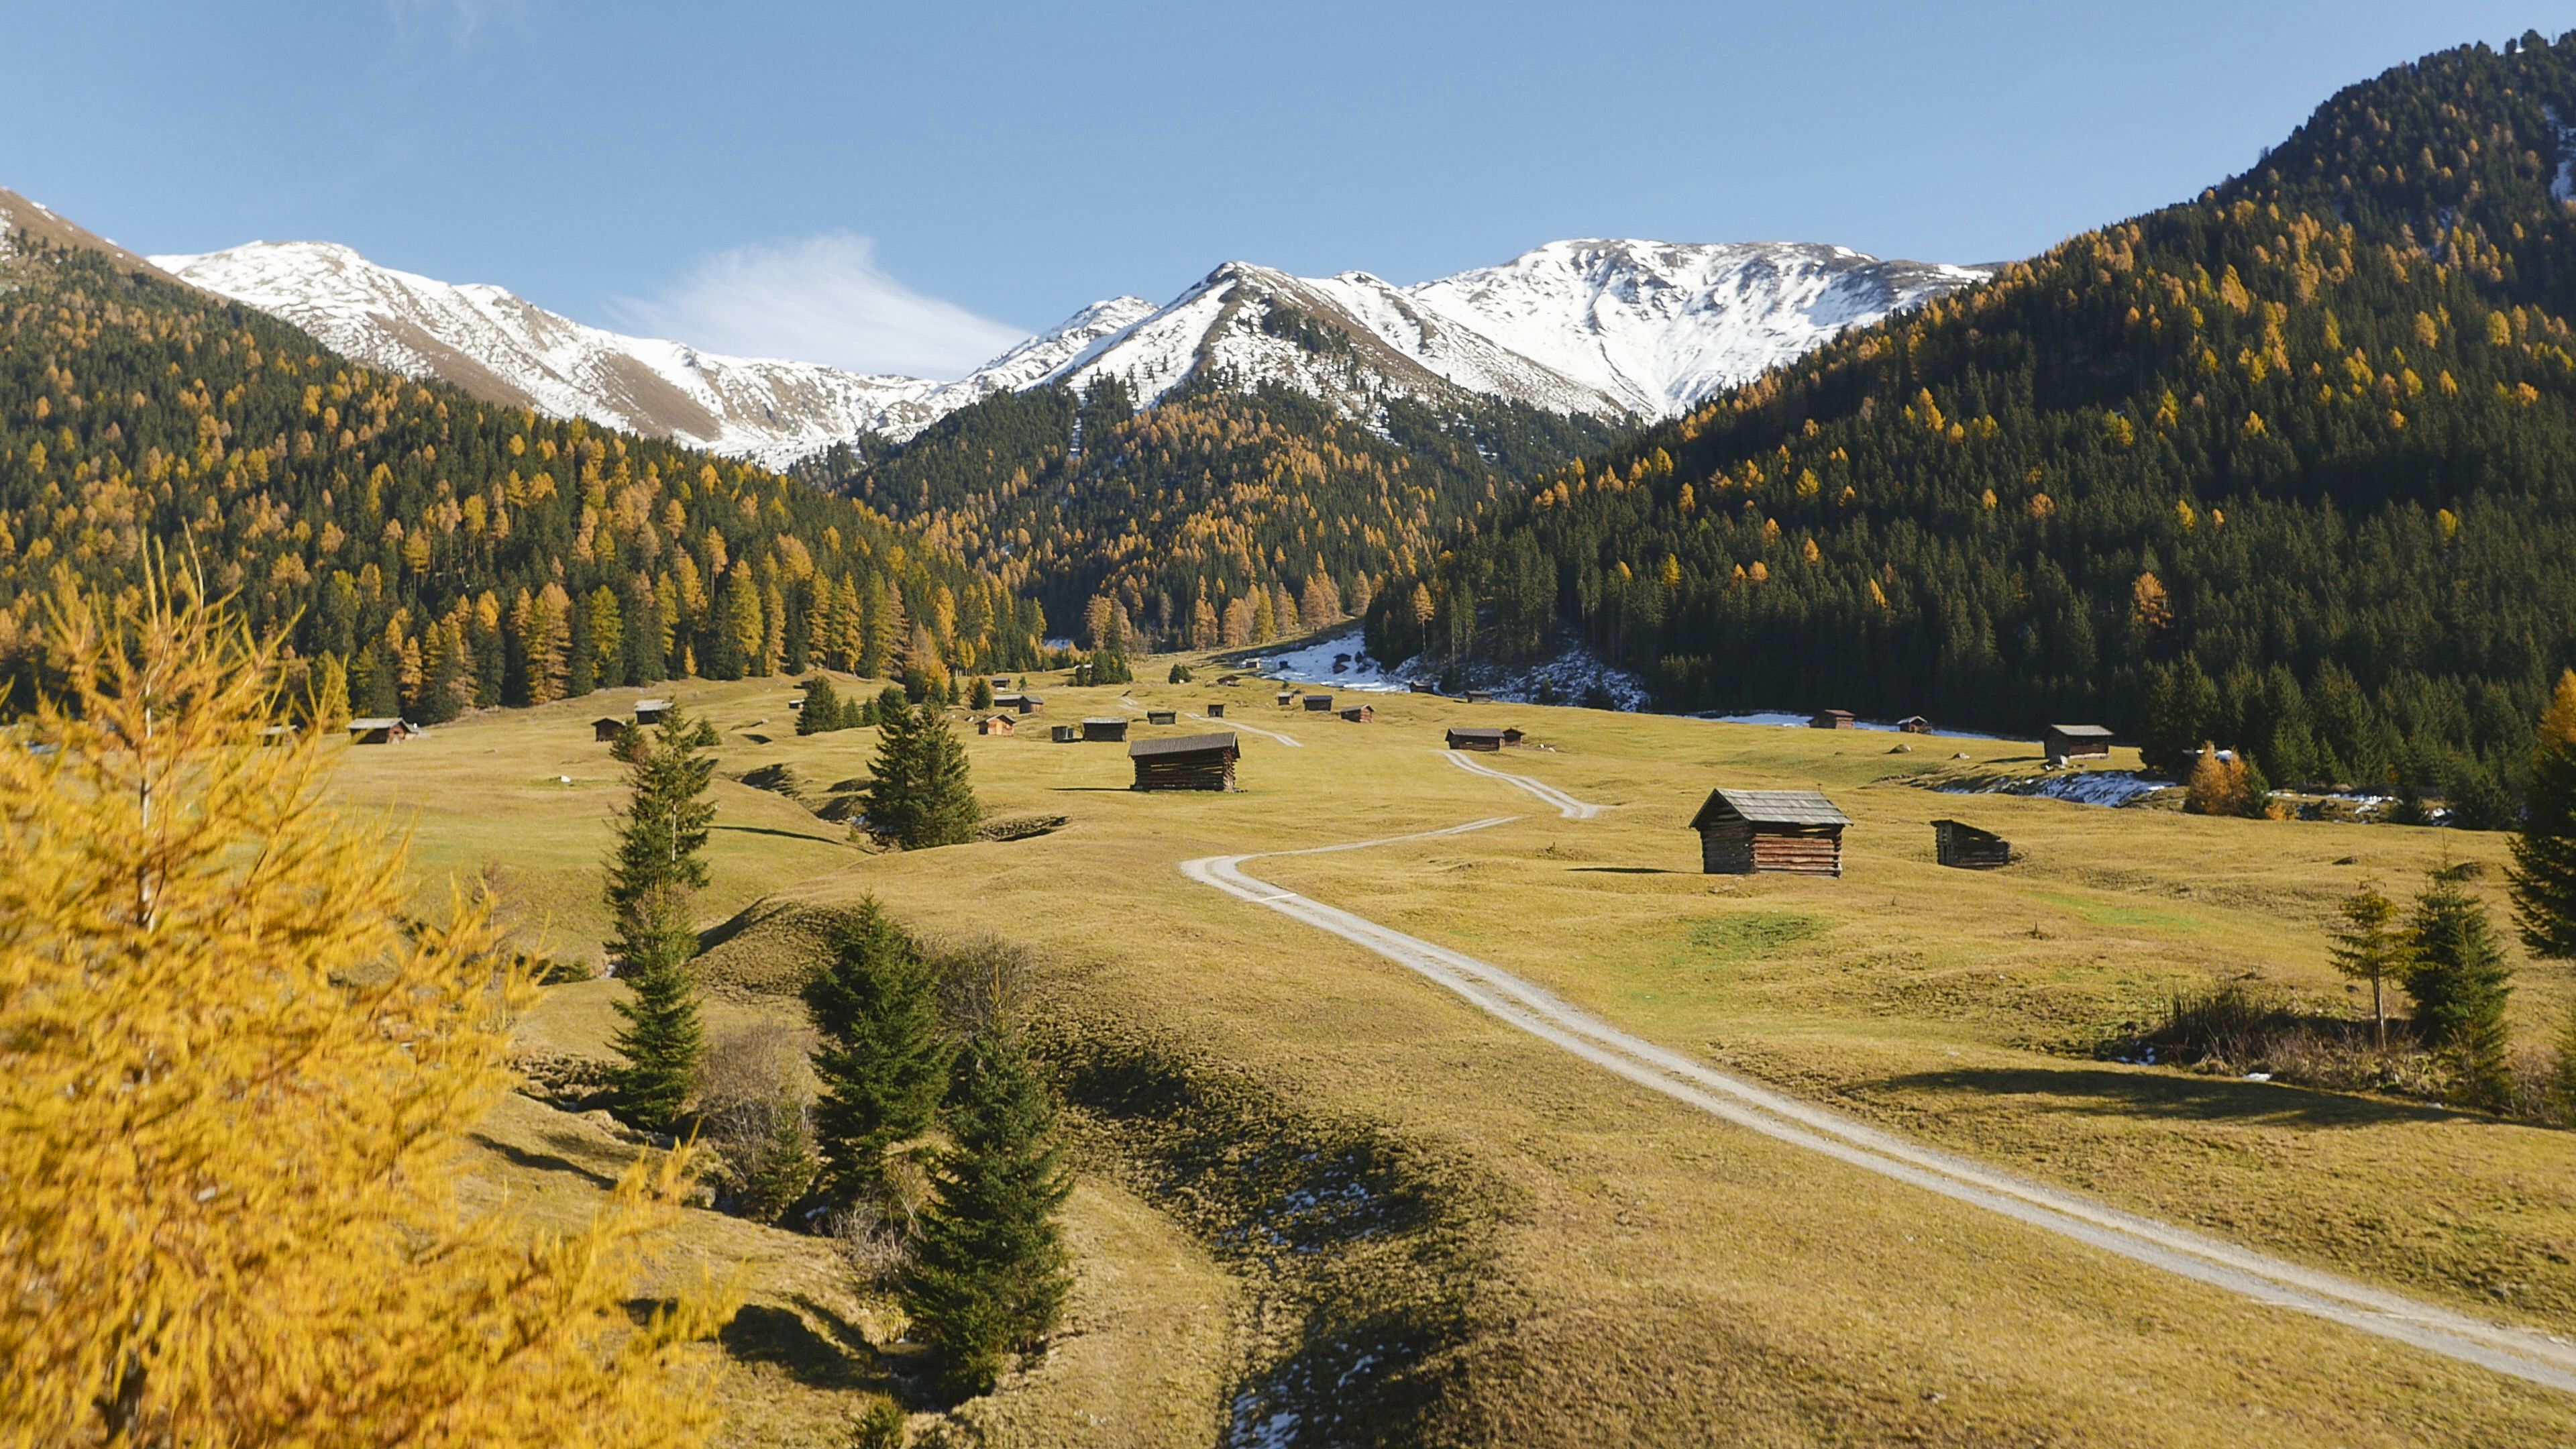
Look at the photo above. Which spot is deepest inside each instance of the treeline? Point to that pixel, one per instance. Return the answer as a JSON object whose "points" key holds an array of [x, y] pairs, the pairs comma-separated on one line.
{"points": [[437, 552], [2284, 467], [1219, 517]]}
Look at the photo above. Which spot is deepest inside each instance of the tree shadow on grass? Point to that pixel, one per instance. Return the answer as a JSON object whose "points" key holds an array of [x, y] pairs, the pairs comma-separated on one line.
{"points": [[774, 830], [1620, 870], [2173, 1095], [837, 1358], [545, 1161]]}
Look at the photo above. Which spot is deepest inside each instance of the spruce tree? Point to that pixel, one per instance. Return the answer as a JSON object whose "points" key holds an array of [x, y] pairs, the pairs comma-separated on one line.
{"points": [[822, 711], [981, 697], [784, 1169], [884, 1063], [988, 1277], [2457, 974], [664, 825], [946, 810], [662, 1040], [2544, 850], [2367, 948]]}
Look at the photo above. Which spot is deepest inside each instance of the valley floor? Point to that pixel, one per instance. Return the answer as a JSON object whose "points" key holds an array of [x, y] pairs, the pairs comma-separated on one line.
{"points": [[1317, 1184]]}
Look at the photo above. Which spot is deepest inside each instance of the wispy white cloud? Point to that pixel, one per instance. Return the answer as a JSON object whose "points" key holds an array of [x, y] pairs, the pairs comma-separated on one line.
{"points": [[816, 299], [462, 19]]}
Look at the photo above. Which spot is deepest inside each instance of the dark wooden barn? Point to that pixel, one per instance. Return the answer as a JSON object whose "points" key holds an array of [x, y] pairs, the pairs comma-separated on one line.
{"points": [[1832, 719], [997, 724], [1480, 696], [1287, 697], [1101, 729], [607, 728], [1475, 737], [2075, 742], [277, 736], [1914, 724], [1216, 710], [650, 711], [1186, 762], [1957, 843], [377, 731], [1512, 735], [1020, 703], [1319, 704], [1418, 687], [1797, 832], [1360, 713], [1162, 716], [1065, 734]]}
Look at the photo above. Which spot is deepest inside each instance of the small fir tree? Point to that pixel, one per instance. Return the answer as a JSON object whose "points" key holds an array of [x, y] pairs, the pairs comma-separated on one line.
{"points": [[988, 1277], [2367, 947], [663, 827], [884, 1063], [785, 1167], [662, 1041], [2456, 972], [2544, 849], [981, 697], [918, 793], [1180, 674]]}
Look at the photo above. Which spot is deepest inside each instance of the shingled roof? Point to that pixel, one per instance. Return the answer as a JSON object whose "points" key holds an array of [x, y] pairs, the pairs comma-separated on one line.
{"points": [[1183, 745], [1774, 807]]}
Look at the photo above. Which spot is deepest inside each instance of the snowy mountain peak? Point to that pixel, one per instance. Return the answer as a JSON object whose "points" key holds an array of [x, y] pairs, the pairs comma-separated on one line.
{"points": [[1600, 326]]}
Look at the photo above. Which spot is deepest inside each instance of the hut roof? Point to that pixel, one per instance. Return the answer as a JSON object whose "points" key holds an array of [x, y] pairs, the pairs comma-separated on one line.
{"points": [[1104, 719], [375, 724], [1478, 732], [652, 704], [1774, 807], [2081, 732], [609, 719], [1183, 745], [1970, 829]]}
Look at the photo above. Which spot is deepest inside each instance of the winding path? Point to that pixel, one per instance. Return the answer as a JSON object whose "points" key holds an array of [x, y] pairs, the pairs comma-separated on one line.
{"points": [[2522, 1353], [1230, 722]]}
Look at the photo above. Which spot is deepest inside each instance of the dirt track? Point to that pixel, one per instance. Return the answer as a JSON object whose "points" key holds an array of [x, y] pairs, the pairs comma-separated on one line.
{"points": [[2522, 1353]]}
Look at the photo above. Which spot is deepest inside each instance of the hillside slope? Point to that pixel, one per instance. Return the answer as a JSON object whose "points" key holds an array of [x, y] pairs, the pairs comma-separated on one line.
{"points": [[443, 551], [2282, 467]]}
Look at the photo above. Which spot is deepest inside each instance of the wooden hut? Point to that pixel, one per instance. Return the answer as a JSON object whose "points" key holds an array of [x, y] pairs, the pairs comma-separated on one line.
{"points": [[1229, 679], [1216, 710], [1287, 697], [2075, 742], [650, 711], [1798, 832], [998, 724], [1162, 716], [1188, 762], [1066, 734], [1831, 719], [1480, 696], [376, 731], [1418, 687], [1020, 703], [1360, 713], [1512, 735], [1319, 704], [1957, 843], [277, 736], [607, 728], [1914, 724], [1105, 730], [1475, 737]]}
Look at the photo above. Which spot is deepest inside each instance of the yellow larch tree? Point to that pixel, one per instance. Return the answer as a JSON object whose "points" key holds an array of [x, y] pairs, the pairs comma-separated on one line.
{"points": [[235, 1076]]}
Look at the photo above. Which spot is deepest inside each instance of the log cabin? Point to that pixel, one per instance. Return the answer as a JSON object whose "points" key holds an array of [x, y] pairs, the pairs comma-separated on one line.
{"points": [[605, 729], [1066, 734], [1475, 737], [650, 711], [1216, 710], [1795, 832], [1189, 762], [1105, 730], [1914, 724], [1360, 713], [1319, 704], [377, 731], [997, 724], [1959, 844], [2065, 742], [1162, 717], [1832, 719]]}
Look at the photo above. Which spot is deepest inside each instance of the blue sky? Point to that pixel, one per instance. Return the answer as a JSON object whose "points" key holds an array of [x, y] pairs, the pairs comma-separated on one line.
{"points": [[904, 187]]}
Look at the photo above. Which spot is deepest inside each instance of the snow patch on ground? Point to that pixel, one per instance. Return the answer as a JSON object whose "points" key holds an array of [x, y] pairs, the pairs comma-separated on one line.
{"points": [[2113, 788], [1341, 661], [1786, 719]]}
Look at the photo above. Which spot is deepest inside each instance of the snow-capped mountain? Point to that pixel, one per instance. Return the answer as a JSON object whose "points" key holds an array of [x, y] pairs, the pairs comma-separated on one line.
{"points": [[507, 350], [1601, 327]]}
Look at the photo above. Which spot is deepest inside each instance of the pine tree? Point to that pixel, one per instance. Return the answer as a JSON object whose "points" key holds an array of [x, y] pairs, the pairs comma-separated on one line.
{"points": [[2544, 850], [2457, 974], [981, 698], [662, 1041], [884, 1063], [664, 825], [988, 1277], [2367, 948], [784, 1169]]}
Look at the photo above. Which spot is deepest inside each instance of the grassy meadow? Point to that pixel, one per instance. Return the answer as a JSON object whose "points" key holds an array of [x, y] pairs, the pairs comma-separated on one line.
{"points": [[1310, 1172]]}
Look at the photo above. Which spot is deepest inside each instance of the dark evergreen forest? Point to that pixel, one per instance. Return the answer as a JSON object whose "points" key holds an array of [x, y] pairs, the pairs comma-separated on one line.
{"points": [[438, 552], [2290, 466], [1221, 515]]}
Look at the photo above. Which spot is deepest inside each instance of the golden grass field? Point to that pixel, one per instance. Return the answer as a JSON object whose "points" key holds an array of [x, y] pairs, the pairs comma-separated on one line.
{"points": [[1557, 1256]]}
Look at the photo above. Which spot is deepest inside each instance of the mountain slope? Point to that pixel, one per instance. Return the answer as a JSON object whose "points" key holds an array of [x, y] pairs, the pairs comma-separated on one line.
{"points": [[1603, 329], [441, 551], [505, 350], [2282, 467]]}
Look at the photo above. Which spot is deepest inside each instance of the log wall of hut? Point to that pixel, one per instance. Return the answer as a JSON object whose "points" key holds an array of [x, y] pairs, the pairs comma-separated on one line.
{"points": [[1968, 848], [1196, 770], [1737, 847]]}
